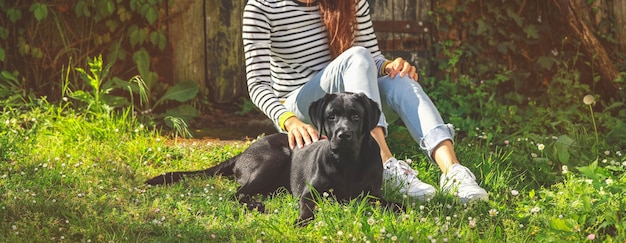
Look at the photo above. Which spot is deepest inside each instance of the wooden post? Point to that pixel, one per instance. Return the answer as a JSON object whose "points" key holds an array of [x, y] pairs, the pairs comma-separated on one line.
{"points": [[224, 50], [619, 8], [186, 29]]}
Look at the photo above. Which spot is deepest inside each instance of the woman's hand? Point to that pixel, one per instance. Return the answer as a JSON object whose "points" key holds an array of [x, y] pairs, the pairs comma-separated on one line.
{"points": [[402, 67], [300, 133]]}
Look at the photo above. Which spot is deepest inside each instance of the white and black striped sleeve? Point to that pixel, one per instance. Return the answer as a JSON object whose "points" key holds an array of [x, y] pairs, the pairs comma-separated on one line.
{"points": [[256, 43]]}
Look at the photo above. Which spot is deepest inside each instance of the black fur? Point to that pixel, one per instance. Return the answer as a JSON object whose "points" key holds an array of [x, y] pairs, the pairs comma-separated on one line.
{"points": [[347, 164]]}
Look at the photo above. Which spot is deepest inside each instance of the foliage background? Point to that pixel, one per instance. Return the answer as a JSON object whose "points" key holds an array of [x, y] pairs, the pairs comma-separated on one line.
{"points": [[509, 76], [501, 57]]}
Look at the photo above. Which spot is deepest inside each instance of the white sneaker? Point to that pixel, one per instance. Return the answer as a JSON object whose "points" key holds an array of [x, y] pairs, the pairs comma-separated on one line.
{"points": [[398, 175], [462, 182]]}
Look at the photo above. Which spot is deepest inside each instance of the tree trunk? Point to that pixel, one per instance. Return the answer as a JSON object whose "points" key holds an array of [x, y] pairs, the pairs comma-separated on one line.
{"points": [[590, 44]]}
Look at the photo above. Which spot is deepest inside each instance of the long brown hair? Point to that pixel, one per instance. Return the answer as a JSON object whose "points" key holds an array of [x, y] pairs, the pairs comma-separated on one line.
{"points": [[339, 16]]}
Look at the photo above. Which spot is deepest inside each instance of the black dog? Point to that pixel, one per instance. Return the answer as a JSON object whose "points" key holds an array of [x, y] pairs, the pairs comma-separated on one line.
{"points": [[347, 164]]}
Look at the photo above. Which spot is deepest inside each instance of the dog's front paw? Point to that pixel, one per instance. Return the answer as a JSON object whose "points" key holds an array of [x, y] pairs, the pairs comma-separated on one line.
{"points": [[255, 206], [303, 222]]}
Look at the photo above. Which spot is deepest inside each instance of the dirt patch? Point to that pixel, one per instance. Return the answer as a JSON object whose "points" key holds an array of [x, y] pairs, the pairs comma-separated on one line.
{"points": [[223, 124]]}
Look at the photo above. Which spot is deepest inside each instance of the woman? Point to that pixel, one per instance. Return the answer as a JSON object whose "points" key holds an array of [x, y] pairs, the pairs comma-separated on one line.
{"points": [[298, 50]]}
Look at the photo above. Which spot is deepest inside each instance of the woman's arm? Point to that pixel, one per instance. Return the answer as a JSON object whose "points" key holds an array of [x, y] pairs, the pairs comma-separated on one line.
{"points": [[256, 45]]}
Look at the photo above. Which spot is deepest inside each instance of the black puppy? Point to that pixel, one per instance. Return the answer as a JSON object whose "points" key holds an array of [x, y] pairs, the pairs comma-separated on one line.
{"points": [[347, 164]]}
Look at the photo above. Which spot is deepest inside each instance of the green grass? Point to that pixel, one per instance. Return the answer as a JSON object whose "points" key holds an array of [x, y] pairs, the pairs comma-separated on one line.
{"points": [[66, 176]]}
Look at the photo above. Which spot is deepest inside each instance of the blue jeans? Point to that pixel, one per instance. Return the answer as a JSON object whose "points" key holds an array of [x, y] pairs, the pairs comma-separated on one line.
{"points": [[355, 71]]}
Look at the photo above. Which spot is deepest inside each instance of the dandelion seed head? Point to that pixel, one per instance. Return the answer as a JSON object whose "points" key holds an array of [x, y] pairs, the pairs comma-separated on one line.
{"points": [[589, 100]]}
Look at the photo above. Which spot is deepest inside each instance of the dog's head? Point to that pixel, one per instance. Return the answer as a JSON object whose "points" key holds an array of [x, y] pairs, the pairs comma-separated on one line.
{"points": [[346, 118]]}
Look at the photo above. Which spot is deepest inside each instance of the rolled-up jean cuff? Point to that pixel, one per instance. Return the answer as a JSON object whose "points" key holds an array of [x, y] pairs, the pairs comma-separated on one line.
{"points": [[435, 136]]}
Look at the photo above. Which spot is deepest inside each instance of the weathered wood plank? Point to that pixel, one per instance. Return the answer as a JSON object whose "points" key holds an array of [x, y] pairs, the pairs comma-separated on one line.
{"points": [[224, 50], [403, 29], [185, 35], [619, 9]]}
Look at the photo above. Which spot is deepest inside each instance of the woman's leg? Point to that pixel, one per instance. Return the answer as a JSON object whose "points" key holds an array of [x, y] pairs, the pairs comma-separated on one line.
{"points": [[353, 71], [408, 100]]}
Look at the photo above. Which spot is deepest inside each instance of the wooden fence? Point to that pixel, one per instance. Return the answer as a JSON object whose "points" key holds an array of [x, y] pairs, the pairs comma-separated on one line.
{"points": [[207, 47]]}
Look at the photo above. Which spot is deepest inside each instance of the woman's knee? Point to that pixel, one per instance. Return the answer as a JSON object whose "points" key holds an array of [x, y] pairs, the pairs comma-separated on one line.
{"points": [[360, 57]]}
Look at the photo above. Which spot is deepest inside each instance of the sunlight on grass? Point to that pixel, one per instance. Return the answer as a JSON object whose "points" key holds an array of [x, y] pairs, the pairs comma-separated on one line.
{"points": [[66, 176]]}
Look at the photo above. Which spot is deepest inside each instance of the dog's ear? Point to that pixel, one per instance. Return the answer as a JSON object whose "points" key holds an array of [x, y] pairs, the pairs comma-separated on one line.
{"points": [[372, 112], [316, 112]]}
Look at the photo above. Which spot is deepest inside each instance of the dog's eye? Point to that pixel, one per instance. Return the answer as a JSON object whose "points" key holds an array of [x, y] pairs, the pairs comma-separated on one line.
{"points": [[330, 117], [356, 117]]}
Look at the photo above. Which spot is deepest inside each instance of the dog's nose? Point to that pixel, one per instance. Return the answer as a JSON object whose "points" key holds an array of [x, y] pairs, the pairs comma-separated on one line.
{"points": [[344, 135]]}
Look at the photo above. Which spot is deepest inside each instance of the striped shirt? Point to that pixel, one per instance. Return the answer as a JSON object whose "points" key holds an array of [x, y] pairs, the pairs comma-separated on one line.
{"points": [[285, 44]]}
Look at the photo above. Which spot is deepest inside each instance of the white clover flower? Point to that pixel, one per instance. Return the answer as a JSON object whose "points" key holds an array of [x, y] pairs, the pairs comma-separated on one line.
{"points": [[371, 221], [609, 181], [493, 212], [540, 146], [589, 100], [607, 152], [472, 223], [514, 192], [535, 210], [534, 155]]}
